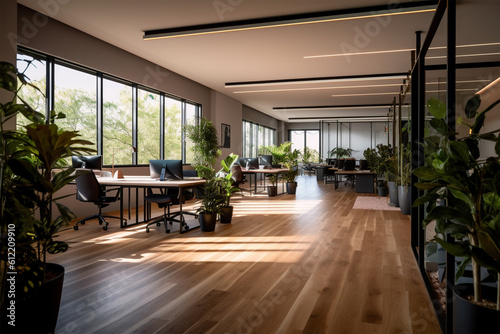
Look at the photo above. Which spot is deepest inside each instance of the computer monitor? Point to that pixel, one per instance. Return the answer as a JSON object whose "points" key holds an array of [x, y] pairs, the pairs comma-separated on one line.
{"points": [[165, 169], [253, 163], [87, 161], [266, 160]]}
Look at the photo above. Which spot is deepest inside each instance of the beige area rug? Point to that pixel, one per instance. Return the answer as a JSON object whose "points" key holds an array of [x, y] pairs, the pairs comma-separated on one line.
{"points": [[373, 203]]}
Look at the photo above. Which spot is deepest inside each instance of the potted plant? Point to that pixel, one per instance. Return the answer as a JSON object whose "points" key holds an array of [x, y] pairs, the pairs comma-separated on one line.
{"points": [[211, 203], [469, 187], [272, 190], [291, 163], [226, 182], [383, 153], [29, 184], [278, 153], [404, 179], [339, 154], [391, 176], [206, 150]]}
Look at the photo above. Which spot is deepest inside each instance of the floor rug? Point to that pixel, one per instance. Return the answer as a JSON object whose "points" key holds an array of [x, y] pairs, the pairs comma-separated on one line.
{"points": [[373, 203]]}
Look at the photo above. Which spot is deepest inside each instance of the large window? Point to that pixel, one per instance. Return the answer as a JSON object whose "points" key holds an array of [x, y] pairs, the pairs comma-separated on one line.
{"points": [[36, 71], [148, 126], [75, 95], [255, 136], [120, 117], [301, 139]]}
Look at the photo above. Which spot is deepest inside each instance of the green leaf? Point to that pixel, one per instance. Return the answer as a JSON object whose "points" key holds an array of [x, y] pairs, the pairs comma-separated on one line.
{"points": [[426, 173], [427, 185], [456, 249], [440, 126], [446, 212], [472, 105], [55, 247], [437, 108], [462, 196], [459, 151]]}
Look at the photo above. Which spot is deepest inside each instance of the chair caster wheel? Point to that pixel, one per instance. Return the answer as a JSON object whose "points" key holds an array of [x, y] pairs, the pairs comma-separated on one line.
{"points": [[147, 230], [186, 228], [167, 231], [158, 224], [83, 223], [75, 228], [105, 228], [196, 217]]}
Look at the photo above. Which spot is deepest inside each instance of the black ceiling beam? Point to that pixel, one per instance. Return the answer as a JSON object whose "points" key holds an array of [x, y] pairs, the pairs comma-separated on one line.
{"points": [[285, 19], [318, 79], [335, 106]]}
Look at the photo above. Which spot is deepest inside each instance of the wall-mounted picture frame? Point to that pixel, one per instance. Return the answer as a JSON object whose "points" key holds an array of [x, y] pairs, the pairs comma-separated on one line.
{"points": [[225, 135]]}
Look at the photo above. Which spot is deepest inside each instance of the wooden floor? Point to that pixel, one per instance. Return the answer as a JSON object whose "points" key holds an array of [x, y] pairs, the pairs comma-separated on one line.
{"points": [[291, 264]]}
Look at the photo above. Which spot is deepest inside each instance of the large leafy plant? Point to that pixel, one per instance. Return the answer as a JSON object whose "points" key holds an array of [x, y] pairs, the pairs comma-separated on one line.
{"points": [[340, 152], [206, 150], [29, 161], [225, 177], [469, 187]]}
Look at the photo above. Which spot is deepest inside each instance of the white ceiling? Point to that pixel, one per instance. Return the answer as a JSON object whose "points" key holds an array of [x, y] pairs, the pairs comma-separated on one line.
{"points": [[278, 53]]}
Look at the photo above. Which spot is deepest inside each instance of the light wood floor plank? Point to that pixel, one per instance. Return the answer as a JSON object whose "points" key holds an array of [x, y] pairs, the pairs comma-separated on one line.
{"points": [[304, 263]]}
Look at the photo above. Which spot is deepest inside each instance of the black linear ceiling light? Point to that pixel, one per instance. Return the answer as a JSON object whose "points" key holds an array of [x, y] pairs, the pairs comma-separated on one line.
{"points": [[294, 19]]}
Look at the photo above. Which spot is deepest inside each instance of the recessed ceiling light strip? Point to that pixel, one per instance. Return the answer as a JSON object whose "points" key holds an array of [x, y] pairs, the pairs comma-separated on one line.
{"points": [[395, 51]]}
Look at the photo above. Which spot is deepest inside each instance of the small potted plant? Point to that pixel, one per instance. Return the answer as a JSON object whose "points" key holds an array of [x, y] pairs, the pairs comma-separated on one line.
{"points": [[211, 204], [272, 190], [226, 181]]}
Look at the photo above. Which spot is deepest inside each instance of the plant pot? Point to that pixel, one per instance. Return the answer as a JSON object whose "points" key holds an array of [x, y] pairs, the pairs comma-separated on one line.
{"points": [[207, 221], [382, 190], [39, 313], [291, 188], [393, 193], [404, 193], [472, 318], [272, 191], [226, 214]]}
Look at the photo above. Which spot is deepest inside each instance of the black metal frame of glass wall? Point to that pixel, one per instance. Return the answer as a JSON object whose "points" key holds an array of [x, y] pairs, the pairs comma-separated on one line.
{"points": [[418, 104], [100, 76]]}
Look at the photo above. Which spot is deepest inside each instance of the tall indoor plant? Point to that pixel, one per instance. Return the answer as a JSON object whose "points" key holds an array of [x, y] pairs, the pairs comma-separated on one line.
{"points": [[404, 179], [291, 163], [206, 150], [28, 161], [469, 188]]}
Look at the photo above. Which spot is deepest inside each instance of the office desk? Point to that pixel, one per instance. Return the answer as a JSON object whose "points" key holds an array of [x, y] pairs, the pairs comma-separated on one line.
{"points": [[254, 172], [146, 182], [364, 179]]}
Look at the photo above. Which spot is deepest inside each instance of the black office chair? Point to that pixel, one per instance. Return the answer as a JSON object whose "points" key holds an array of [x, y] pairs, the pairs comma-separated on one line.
{"points": [[88, 189], [166, 199], [349, 165]]}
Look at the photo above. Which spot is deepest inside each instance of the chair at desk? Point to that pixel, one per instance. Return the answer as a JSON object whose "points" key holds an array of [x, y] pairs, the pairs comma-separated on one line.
{"points": [[166, 199], [238, 177], [88, 189], [350, 164]]}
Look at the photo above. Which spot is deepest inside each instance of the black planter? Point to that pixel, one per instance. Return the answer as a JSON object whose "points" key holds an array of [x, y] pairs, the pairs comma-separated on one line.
{"points": [[291, 188], [471, 318], [207, 221], [404, 193], [382, 190], [393, 193], [39, 313], [226, 214], [272, 191]]}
